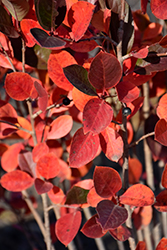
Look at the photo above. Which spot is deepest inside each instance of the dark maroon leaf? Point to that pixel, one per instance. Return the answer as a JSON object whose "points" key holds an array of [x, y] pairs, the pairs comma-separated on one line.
{"points": [[110, 215], [77, 195], [46, 41]]}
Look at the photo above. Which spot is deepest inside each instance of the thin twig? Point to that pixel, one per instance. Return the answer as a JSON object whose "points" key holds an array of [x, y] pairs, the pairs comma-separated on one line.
{"points": [[7, 57], [48, 108], [18, 127], [23, 55], [141, 138], [32, 121]]}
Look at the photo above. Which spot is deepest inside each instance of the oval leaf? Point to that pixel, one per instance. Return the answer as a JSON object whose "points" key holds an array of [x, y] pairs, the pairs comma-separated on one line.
{"points": [[78, 76], [39, 150], [138, 195], [97, 115], [83, 148], [67, 227], [56, 62], [79, 17], [120, 233], [105, 71], [162, 107], [164, 177], [162, 245], [42, 186], [161, 132], [111, 144], [56, 195], [46, 41], [107, 181], [127, 91], [48, 166], [161, 201], [60, 127], [110, 215], [92, 229], [19, 85], [16, 181]]}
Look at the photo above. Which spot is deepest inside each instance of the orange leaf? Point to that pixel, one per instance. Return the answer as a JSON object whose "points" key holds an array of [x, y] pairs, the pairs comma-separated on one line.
{"points": [[161, 132], [79, 17], [56, 195], [48, 166], [57, 61], [162, 244], [162, 107], [16, 181], [19, 85], [67, 227], [138, 195]]}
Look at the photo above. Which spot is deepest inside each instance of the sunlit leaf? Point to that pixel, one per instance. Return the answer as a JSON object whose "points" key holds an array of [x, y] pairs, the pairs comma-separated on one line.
{"points": [[56, 195], [60, 127], [57, 61], [16, 181], [9, 160], [110, 215], [19, 85], [138, 195], [107, 181], [164, 177], [97, 115], [83, 148], [162, 244], [67, 227], [39, 150], [111, 144], [48, 166], [162, 107], [79, 17], [78, 76]]}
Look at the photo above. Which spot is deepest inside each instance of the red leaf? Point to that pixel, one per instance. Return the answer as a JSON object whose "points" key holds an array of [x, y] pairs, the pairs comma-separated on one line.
{"points": [[93, 198], [24, 123], [105, 71], [16, 181], [65, 171], [7, 112], [162, 244], [26, 25], [9, 160], [162, 107], [159, 8], [110, 215], [161, 201], [43, 96], [161, 132], [79, 17], [42, 186], [107, 181], [26, 163], [83, 148], [142, 216], [135, 170], [39, 150], [164, 177], [67, 227], [80, 99], [138, 195], [48, 166], [120, 233], [60, 127], [92, 229], [97, 115], [152, 31], [127, 91], [57, 61], [19, 85], [142, 53], [141, 245], [56, 195], [111, 144]]}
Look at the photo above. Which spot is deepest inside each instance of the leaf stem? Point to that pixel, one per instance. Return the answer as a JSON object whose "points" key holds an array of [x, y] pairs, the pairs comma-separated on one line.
{"points": [[18, 127], [141, 138]]}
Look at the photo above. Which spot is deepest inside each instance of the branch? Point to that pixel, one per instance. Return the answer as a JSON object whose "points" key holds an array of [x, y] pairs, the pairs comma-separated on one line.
{"points": [[48, 108], [140, 139], [18, 127], [7, 57]]}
